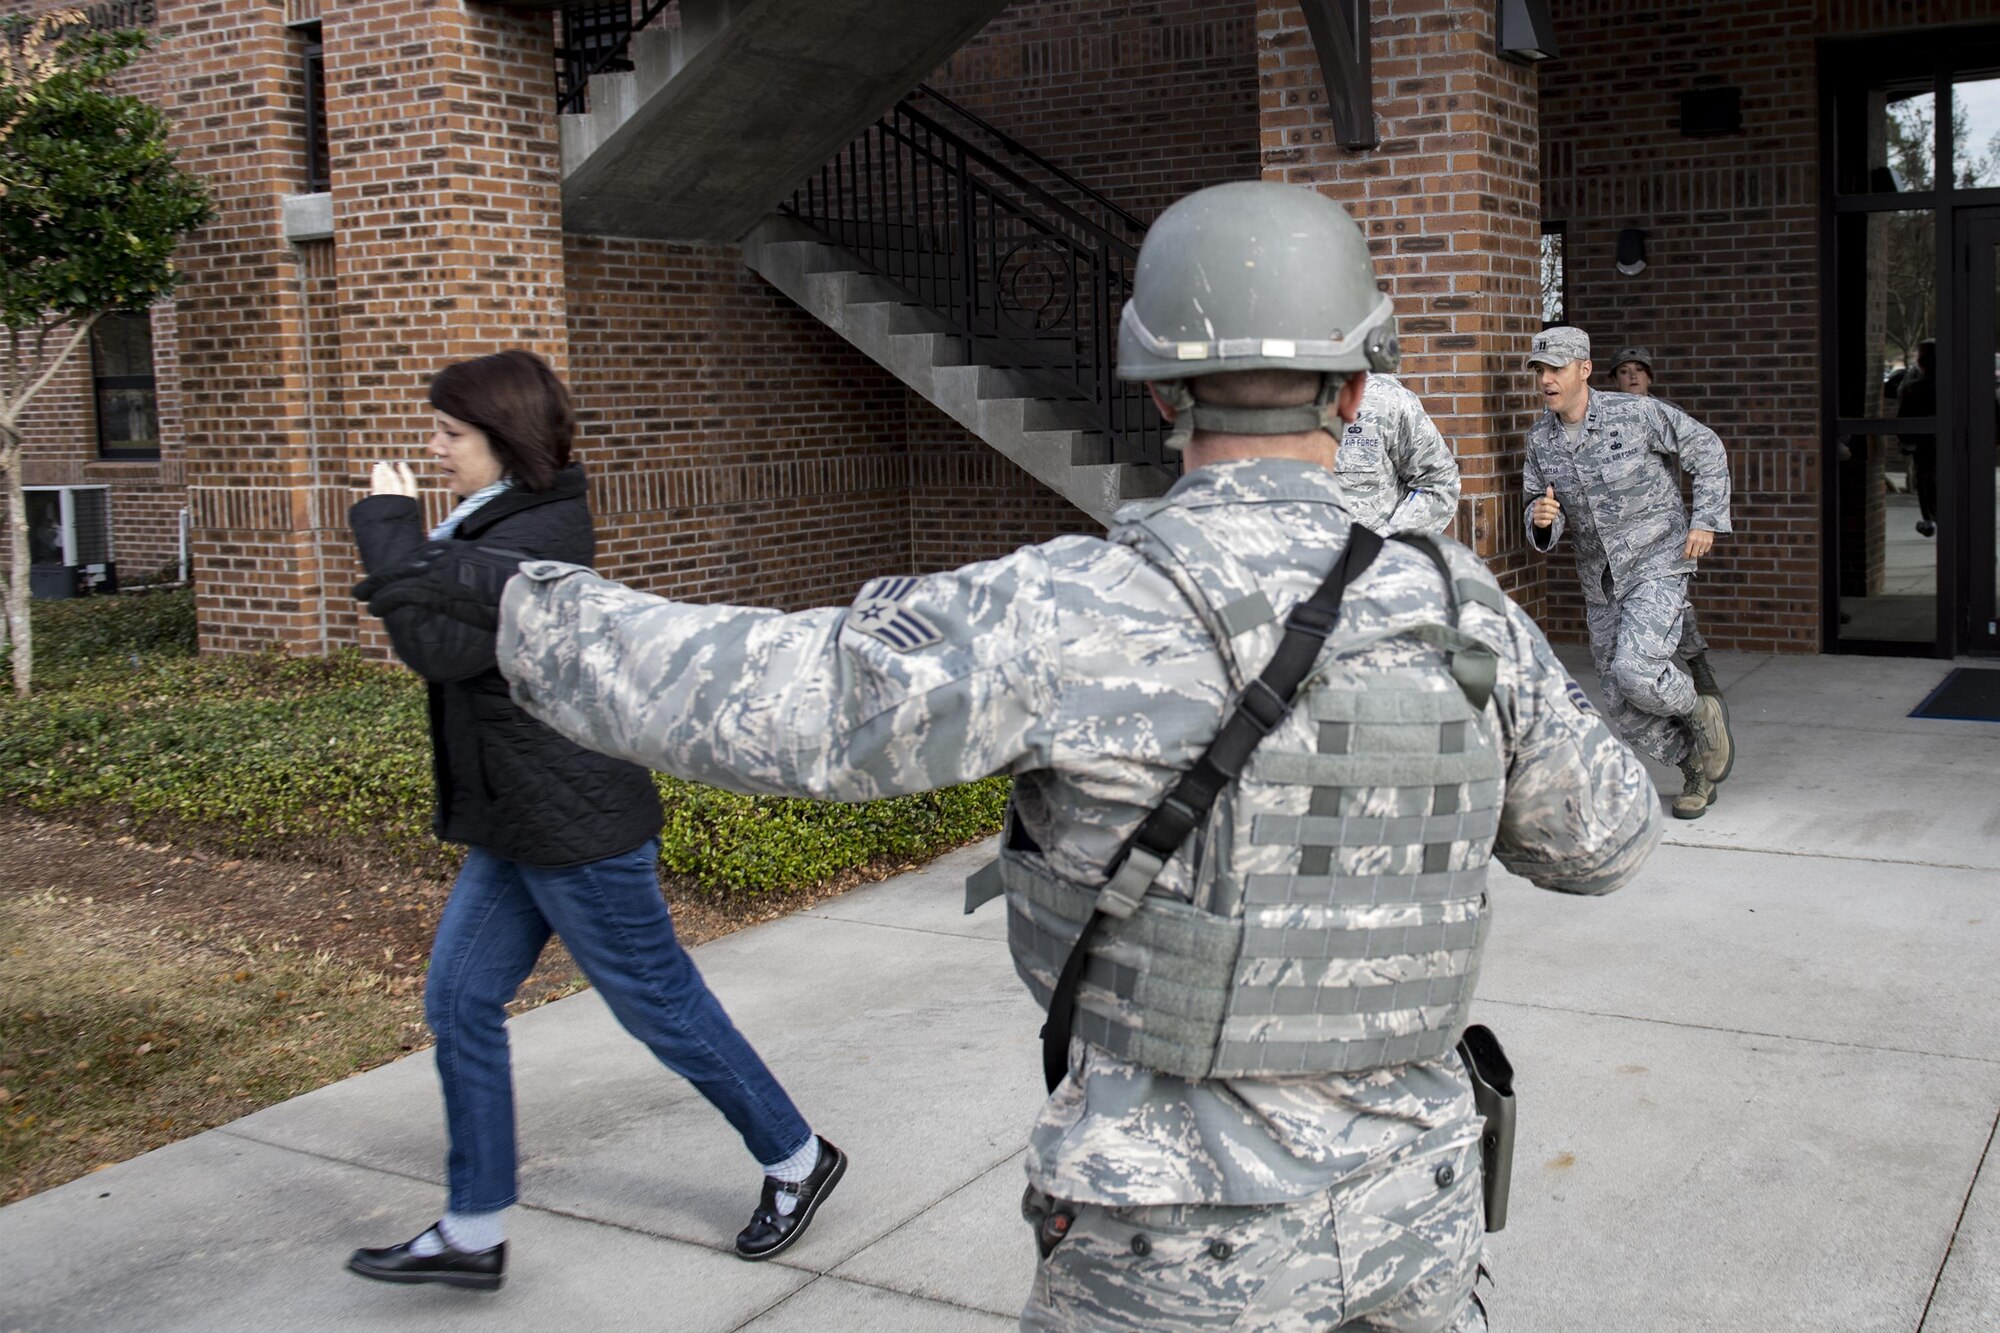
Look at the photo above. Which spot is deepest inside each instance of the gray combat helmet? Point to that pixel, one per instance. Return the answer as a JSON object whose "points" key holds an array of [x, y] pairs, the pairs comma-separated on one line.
{"points": [[1254, 276]]}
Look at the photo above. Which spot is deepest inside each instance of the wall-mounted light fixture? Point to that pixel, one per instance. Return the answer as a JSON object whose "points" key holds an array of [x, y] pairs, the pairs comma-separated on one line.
{"points": [[1631, 252], [1526, 33]]}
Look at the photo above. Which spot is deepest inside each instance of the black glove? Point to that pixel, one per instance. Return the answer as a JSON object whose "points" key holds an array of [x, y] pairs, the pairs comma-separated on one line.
{"points": [[453, 579]]}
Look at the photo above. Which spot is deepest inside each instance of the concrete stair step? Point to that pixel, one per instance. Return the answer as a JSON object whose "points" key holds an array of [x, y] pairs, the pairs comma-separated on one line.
{"points": [[986, 385]]}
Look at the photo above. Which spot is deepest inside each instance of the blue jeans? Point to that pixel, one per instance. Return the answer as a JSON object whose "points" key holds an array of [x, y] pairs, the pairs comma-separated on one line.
{"points": [[617, 927]]}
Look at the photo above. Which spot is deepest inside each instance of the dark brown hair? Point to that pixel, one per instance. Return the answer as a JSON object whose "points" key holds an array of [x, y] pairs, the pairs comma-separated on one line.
{"points": [[522, 406]]}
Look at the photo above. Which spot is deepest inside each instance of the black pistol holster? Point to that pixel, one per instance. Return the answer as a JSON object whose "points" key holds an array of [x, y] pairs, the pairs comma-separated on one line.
{"points": [[1493, 1093]]}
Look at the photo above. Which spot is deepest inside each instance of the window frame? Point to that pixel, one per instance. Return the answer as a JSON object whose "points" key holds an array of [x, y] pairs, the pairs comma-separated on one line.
{"points": [[100, 382], [312, 69], [1558, 227]]}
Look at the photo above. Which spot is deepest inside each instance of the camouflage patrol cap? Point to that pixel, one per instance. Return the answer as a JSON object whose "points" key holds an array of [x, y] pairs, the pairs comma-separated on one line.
{"points": [[1642, 355], [1559, 346]]}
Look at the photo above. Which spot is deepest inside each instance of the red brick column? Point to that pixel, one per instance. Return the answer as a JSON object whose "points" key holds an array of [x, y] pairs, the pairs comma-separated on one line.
{"points": [[1450, 203], [226, 72], [447, 207]]}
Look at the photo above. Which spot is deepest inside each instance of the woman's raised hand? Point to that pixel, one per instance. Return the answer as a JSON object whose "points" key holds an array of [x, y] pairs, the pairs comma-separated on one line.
{"points": [[392, 479]]}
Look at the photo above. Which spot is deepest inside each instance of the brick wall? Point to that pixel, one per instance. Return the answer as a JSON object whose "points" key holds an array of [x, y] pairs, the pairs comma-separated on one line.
{"points": [[1448, 202], [742, 452], [230, 80], [1142, 102], [448, 233], [1729, 300], [969, 502], [739, 450]]}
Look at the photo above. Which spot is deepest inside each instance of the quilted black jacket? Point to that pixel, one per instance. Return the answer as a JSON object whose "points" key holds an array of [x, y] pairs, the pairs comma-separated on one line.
{"points": [[505, 782]]}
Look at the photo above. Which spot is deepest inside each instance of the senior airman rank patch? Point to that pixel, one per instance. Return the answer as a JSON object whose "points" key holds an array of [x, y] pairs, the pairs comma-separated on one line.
{"points": [[880, 614]]}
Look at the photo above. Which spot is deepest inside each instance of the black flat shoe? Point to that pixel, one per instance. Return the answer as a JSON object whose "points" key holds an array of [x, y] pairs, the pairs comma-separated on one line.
{"points": [[770, 1234], [481, 1270]]}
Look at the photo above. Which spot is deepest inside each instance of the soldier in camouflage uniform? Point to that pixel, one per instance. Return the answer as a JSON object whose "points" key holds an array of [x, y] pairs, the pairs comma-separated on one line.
{"points": [[1632, 372], [1096, 672], [1601, 465], [1396, 472]]}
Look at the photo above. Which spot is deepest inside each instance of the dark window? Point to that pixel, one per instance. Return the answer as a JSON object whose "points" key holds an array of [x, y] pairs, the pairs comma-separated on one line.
{"points": [[128, 418], [1555, 273], [45, 528], [319, 161]]}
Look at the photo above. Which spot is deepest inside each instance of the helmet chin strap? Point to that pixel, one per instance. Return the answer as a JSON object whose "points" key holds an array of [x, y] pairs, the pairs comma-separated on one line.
{"points": [[1190, 415]]}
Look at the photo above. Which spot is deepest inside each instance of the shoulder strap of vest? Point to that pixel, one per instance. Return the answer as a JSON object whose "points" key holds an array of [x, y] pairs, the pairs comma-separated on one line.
{"points": [[1474, 668], [1236, 603], [1265, 703]]}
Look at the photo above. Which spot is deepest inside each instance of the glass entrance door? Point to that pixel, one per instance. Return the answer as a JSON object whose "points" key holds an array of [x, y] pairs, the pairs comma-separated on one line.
{"points": [[1912, 352], [1977, 448]]}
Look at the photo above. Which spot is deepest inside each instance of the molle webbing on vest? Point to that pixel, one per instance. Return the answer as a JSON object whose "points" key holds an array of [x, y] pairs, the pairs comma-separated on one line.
{"points": [[1156, 985], [1341, 881]]}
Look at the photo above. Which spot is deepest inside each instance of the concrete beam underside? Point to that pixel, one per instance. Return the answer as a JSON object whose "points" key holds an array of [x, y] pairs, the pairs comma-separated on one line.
{"points": [[714, 134]]}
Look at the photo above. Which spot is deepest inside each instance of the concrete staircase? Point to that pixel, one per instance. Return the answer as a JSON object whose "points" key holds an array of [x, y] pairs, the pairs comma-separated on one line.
{"points": [[724, 114], [981, 385]]}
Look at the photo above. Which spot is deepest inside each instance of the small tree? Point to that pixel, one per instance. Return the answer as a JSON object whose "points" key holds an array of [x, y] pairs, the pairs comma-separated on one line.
{"points": [[92, 206]]}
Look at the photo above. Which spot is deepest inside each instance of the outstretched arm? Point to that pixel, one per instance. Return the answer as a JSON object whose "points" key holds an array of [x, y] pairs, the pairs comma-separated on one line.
{"points": [[921, 683]]}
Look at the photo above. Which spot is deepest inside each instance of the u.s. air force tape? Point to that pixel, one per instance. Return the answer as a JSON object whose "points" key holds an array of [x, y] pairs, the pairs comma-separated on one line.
{"points": [[880, 613]]}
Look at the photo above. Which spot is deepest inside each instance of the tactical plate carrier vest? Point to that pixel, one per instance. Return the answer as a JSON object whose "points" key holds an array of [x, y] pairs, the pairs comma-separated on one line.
{"points": [[1339, 902]]}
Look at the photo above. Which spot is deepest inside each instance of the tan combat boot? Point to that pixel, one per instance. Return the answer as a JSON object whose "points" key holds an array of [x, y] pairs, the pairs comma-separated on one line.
{"points": [[1714, 748], [1697, 792]]}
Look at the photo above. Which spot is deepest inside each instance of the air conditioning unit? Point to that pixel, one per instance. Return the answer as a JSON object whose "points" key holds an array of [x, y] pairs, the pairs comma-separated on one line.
{"points": [[69, 541]]}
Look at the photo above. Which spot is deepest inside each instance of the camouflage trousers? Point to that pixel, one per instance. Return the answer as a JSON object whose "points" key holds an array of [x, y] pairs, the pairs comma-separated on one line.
{"points": [[1393, 1252], [1635, 634]]}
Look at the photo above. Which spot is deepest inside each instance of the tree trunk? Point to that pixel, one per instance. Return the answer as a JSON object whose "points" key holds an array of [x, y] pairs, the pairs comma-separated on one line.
{"points": [[17, 559]]}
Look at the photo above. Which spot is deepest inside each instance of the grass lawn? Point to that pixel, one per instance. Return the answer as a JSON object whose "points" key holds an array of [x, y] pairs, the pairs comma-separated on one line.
{"points": [[218, 882]]}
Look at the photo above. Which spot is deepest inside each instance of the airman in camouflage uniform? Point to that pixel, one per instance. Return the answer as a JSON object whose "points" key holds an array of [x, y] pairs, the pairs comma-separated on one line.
{"points": [[1601, 466], [1084, 668], [1396, 472], [1632, 372]]}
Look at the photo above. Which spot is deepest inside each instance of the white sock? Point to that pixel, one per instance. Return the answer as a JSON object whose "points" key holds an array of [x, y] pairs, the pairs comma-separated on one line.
{"points": [[469, 1233], [793, 1170], [428, 1244]]}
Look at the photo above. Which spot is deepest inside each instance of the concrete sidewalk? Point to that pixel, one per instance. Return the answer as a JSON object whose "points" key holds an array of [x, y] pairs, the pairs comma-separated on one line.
{"points": [[1758, 1087]]}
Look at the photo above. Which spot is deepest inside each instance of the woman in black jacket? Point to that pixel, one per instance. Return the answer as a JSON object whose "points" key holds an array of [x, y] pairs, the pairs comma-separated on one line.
{"points": [[559, 840]]}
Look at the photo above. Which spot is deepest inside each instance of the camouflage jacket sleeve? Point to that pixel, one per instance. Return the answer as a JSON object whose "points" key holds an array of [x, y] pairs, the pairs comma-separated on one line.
{"points": [[1580, 814], [1536, 486], [1424, 466], [921, 683], [1699, 450]]}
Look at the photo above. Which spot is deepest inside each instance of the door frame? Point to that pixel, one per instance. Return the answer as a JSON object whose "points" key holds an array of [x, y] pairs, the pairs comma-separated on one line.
{"points": [[1973, 442], [1936, 56]]}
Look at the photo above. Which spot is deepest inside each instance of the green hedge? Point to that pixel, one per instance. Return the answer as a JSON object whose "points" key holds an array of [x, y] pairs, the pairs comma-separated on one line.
{"points": [[329, 758], [76, 634]]}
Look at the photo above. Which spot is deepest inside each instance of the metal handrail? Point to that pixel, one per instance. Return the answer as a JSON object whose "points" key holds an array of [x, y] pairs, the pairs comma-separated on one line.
{"points": [[1009, 176], [1019, 149], [1034, 282], [573, 99]]}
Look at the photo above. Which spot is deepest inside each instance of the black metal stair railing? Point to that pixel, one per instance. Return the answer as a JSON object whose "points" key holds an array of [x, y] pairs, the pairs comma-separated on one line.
{"points": [[596, 39], [1036, 283], [1038, 168]]}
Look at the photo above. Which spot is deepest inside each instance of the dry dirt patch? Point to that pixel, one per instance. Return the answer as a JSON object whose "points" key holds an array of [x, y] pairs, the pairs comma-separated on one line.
{"points": [[148, 992]]}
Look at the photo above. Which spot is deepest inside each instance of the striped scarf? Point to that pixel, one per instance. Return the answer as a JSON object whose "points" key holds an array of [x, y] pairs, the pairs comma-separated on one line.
{"points": [[467, 506]]}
